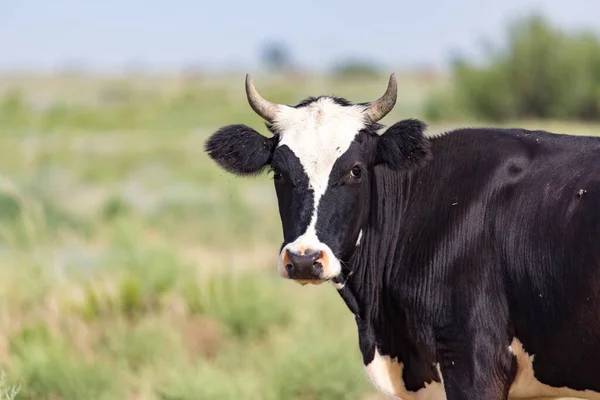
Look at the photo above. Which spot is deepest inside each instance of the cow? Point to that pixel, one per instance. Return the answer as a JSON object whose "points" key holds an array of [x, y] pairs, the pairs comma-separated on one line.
{"points": [[470, 259]]}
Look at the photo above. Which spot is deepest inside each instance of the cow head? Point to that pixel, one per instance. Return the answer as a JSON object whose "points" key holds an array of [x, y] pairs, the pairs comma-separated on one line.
{"points": [[322, 154]]}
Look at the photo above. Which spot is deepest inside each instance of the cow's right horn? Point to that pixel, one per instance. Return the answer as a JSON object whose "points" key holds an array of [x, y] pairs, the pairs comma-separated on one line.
{"points": [[383, 105], [262, 107]]}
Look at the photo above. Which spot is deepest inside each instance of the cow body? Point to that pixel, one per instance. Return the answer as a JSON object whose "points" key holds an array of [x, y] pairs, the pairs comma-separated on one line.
{"points": [[470, 260], [492, 256]]}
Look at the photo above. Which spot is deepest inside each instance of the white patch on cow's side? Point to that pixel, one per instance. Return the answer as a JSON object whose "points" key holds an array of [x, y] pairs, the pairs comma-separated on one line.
{"points": [[386, 374], [359, 237], [318, 135], [526, 385]]}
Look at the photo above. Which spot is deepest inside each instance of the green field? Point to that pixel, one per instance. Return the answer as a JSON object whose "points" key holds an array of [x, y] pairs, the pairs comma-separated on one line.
{"points": [[131, 267]]}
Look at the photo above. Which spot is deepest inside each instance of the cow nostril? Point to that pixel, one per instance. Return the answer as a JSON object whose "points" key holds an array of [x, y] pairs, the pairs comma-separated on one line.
{"points": [[289, 268], [318, 268], [313, 254]]}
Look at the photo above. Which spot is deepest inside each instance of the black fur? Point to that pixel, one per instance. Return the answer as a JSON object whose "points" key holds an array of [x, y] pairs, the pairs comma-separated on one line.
{"points": [[488, 241], [240, 149], [404, 146], [294, 197]]}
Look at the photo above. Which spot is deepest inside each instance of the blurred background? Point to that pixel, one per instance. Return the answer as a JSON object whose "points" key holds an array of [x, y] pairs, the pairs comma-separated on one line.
{"points": [[131, 267]]}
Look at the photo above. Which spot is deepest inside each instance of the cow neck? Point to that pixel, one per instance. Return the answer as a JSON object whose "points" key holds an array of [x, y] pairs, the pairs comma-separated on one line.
{"points": [[373, 262]]}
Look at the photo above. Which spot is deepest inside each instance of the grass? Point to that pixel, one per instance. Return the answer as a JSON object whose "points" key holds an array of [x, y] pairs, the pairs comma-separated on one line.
{"points": [[131, 267], [7, 393]]}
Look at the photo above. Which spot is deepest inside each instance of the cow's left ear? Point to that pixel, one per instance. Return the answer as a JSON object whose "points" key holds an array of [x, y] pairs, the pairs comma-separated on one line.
{"points": [[403, 145], [240, 149]]}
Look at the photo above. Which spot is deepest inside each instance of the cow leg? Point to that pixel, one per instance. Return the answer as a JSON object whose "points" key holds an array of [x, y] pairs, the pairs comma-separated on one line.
{"points": [[480, 368]]}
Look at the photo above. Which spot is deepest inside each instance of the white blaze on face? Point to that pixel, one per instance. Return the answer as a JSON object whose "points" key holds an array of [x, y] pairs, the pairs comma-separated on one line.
{"points": [[318, 134]]}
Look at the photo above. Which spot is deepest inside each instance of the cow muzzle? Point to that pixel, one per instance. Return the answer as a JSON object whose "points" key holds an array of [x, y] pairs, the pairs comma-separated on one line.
{"points": [[307, 264]]}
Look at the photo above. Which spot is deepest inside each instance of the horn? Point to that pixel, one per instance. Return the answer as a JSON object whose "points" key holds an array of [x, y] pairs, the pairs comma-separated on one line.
{"points": [[379, 108], [262, 107]]}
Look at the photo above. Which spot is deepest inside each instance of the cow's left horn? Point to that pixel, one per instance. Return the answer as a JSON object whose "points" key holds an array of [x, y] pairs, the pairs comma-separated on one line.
{"points": [[379, 108], [262, 107]]}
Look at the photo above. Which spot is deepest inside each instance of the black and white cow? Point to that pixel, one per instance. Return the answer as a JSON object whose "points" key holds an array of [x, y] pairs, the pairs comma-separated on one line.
{"points": [[471, 260]]}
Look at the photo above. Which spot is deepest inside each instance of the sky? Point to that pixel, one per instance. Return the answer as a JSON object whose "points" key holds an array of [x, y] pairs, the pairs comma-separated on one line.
{"points": [[225, 34]]}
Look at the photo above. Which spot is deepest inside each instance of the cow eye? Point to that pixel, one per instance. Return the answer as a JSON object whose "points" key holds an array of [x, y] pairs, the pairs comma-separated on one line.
{"points": [[356, 172]]}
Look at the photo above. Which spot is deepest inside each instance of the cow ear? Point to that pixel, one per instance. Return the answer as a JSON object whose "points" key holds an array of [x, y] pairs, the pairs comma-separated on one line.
{"points": [[240, 149], [403, 145]]}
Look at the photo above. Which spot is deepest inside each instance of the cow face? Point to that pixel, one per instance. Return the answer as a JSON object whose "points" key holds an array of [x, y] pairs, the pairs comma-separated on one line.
{"points": [[322, 156]]}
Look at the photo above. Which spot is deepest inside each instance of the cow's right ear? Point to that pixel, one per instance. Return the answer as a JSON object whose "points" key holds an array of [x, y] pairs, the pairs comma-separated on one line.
{"points": [[403, 145], [240, 149]]}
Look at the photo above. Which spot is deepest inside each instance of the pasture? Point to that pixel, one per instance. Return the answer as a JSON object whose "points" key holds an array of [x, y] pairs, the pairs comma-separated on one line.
{"points": [[131, 267]]}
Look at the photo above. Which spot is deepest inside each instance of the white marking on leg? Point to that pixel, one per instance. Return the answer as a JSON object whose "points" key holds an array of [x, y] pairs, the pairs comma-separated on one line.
{"points": [[386, 374], [526, 384], [439, 371], [511, 350]]}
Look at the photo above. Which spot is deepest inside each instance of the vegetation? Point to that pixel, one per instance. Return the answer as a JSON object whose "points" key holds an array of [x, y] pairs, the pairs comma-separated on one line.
{"points": [[131, 267], [7, 393], [356, 68], [540, 72]]}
